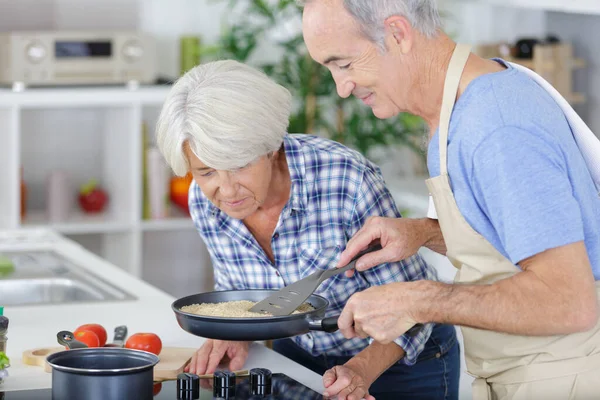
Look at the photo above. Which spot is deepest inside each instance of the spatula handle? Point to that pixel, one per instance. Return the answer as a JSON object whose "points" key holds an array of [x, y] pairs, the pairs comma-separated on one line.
{"points": [[335, 271]]}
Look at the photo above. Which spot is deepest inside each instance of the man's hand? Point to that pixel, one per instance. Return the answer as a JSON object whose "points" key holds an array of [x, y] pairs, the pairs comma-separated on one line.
{"points": [[400, 238], [209, 356], [346, 382], [382, 312]]}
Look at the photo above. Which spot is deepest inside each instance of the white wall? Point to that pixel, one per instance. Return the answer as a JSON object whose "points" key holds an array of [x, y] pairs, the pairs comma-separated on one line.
{"points": [[167, 20], [473, 22]]}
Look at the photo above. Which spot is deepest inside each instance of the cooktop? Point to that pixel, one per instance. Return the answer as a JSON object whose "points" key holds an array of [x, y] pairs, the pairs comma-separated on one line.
{"points": [[260, 384]]}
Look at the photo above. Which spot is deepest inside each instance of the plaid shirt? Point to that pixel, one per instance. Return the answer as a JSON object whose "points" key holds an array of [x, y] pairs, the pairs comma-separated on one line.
{"points": [[333, 192]]}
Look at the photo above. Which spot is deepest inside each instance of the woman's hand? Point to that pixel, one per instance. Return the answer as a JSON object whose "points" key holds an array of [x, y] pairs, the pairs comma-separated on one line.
{"points": [[346, 382], [209, 356]]}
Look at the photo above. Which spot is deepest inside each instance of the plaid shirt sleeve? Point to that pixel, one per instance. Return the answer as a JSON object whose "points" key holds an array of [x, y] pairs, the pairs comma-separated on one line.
{"points": [[374, 199]]}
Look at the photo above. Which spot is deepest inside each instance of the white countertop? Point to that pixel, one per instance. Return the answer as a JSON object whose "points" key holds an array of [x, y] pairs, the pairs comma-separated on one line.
{"points": [[36, 326]]}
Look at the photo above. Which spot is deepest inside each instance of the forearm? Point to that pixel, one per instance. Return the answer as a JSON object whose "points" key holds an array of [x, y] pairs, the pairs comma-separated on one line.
{"points": [[376, 359], [521, 304], [431, 234]]}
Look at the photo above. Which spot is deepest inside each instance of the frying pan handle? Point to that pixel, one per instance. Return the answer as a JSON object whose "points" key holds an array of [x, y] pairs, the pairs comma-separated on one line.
{"points": [[330, 325]]}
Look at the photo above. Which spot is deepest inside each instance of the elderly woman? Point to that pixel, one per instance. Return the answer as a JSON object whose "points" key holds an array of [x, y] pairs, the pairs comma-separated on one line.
{"points": [[269, 206]]}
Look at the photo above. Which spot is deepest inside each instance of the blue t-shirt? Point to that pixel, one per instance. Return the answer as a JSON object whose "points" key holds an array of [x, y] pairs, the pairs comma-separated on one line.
{"points": [[516, 172]]}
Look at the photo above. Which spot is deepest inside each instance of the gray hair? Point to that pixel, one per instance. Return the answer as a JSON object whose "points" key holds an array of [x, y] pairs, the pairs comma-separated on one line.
{"points": [[229, 113], [423, 15]]}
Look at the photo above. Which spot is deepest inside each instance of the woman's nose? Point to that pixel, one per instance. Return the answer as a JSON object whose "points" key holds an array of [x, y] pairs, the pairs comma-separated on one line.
{"points": [[228, 185]]}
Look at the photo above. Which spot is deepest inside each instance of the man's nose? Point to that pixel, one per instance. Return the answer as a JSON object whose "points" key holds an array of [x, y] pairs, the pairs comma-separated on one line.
{"points": [[344, 87]]}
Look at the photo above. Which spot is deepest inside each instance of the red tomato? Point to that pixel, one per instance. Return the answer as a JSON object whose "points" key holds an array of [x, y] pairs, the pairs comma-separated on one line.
{"points": [[145, 341], [97, 329], [156, 389], [87, 337]]}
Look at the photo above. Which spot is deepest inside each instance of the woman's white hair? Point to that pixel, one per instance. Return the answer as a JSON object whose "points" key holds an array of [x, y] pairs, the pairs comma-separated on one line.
{"points": [[423, 15], [229, 114]]}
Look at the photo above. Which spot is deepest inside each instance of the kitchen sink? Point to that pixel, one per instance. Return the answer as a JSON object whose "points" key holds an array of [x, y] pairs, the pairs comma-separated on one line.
{"points": [[48, 278]]}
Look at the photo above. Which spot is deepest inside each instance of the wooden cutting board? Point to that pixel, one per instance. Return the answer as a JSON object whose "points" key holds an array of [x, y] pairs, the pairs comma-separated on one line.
{"points": [[172, 360]]}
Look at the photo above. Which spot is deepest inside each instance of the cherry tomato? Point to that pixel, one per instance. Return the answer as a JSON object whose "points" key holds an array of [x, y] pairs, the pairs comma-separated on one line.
{"points": [[87, 337], [97, 329], [145, 341]]}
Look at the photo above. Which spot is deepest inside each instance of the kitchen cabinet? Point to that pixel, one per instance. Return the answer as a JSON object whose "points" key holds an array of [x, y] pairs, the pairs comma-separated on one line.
{"points": [[95, 133], [572, 6]]}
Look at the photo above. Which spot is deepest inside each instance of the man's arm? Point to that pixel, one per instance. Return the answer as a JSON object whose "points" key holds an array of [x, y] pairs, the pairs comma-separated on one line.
{"points": [[554, 295]]}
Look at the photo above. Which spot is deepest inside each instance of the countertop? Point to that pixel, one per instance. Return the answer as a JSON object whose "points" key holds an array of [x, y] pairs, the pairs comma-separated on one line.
{"points": [[36, 326]]}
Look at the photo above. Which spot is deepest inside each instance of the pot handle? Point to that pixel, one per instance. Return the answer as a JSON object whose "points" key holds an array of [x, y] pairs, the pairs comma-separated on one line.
{"points": [[330, 325], [66, 338]]}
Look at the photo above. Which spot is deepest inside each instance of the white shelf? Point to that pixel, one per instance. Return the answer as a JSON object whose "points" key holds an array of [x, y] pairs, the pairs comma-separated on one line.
{"points": [[91, 133], [167, 224], [83, 97], [78, 223]]}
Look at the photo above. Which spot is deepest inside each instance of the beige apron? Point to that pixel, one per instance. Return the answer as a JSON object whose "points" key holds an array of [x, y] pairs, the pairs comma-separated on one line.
{"points": [[506, 366]]}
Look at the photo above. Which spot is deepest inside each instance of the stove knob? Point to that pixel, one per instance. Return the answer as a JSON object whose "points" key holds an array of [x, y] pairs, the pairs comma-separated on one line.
{"points": [[224, 384], [188, 386], [260, 381]]}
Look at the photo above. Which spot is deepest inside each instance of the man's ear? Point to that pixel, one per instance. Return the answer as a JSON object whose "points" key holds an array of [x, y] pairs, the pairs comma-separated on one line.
{"points": [[398, 33]]}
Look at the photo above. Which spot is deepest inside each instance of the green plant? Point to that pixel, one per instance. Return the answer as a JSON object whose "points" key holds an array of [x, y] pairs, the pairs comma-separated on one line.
{"points": [[4, 361], [318, 109]]}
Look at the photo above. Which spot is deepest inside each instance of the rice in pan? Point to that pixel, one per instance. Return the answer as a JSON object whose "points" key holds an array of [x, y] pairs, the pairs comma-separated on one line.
{"points": [[234, 309]]}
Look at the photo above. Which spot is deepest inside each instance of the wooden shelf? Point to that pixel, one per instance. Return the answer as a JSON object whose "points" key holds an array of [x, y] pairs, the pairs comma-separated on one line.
{"points": [[576, 98], [576, 63]]}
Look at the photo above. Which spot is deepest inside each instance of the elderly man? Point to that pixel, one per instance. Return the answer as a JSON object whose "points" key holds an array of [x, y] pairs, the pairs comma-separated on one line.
{"points": [[273, 208], [519, 213]]}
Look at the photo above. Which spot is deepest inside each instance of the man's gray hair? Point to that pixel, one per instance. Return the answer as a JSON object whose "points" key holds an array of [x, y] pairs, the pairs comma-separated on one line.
{"points": [[370, 14], [229, 113]]}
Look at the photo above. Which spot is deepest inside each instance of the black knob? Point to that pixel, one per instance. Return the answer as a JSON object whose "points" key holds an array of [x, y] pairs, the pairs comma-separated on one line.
{"points": [[223, 384], [224, 379], [260, 381], [188, 386]]}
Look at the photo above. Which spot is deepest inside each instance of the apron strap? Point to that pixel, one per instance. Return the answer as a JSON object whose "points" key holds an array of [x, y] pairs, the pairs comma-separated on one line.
{"points": [[455, 69]]}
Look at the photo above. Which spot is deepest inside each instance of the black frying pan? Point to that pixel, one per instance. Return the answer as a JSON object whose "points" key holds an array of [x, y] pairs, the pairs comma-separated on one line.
{"points": [[249, 329]]}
